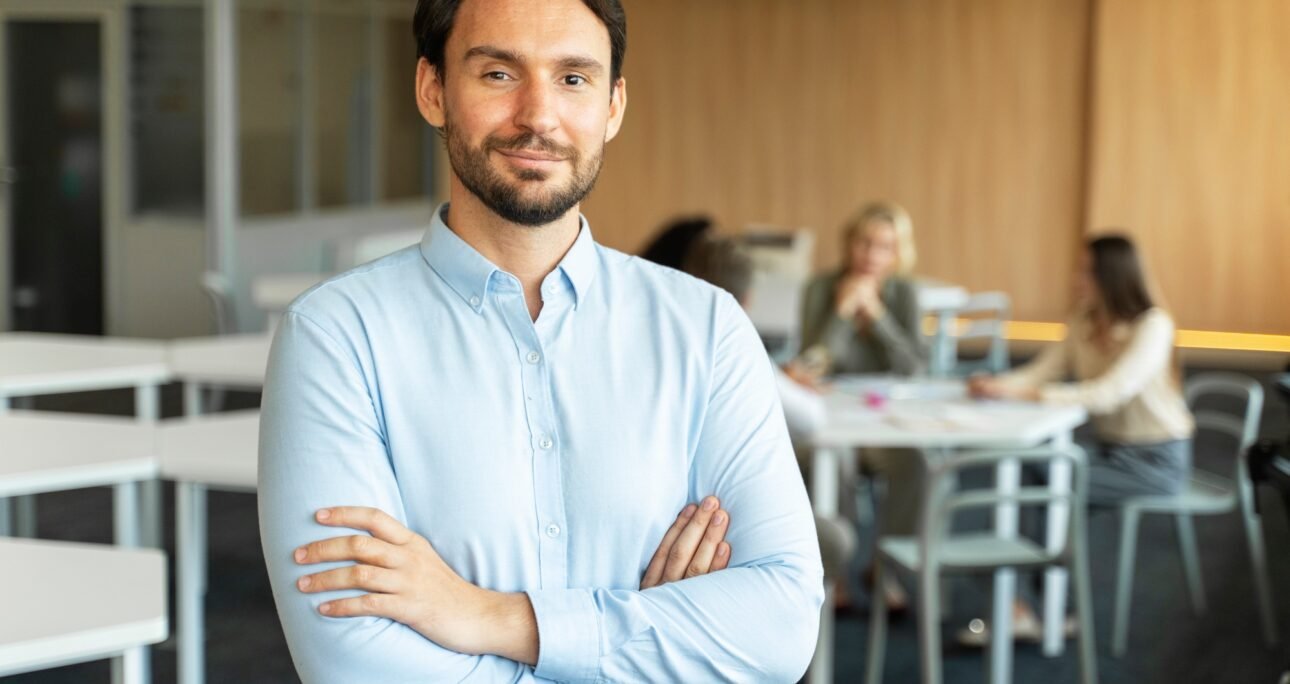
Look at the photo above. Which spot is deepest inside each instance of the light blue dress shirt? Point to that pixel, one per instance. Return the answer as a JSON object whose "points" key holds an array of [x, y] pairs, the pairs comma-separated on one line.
{"points": [[545, 456]]}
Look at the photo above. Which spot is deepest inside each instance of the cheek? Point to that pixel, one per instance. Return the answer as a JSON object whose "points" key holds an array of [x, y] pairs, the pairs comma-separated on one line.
{"points": [[585, 125]]}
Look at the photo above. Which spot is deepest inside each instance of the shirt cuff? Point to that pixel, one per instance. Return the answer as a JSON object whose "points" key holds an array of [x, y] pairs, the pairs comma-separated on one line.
{"points": [[568, 634]]}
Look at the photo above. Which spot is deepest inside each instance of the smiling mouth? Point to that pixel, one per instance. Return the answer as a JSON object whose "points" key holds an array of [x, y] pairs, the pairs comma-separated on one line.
{"points": [[530, 156]]}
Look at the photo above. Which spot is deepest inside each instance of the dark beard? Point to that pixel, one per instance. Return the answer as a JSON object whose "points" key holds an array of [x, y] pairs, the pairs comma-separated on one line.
{"points": [[503, 196]]}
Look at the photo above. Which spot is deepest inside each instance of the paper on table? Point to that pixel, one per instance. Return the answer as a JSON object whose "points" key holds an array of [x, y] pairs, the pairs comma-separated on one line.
{"points": [[942, 417]]}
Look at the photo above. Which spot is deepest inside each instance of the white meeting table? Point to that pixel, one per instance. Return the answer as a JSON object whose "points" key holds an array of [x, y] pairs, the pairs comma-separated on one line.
{"points": [[274, 292], [233, 361], [33, 364], [71, 603], [48, 452], [217, 451], [937, 417]]}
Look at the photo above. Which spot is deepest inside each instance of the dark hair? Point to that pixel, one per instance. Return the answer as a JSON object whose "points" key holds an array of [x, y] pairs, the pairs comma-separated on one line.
{"points": [[670, 246], [432, 23], [1118, 272], [722, 262]]}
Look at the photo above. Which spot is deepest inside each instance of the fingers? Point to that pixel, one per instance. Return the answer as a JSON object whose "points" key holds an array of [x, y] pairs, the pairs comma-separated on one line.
{"points": [[378, 522], [365, 577], [359, 547], [707, 551], [379, 605], [722, 561], [682, 552], [654, 572]]}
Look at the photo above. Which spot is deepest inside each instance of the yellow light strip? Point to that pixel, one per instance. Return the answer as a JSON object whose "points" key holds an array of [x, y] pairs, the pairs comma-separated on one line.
{"points": [[1187, 339], [1035, 331]]}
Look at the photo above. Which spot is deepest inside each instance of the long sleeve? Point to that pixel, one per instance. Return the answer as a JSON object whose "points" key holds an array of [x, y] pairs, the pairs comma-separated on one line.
{"points": [[804, 410], [817, 310], [1050, 365], [1144, 357], [321, 445], [756, 620], [898, 331]]}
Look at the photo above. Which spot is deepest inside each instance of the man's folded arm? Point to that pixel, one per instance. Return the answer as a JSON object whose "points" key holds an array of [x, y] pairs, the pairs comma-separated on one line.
{"points": [[755, 621], [321, 446]]}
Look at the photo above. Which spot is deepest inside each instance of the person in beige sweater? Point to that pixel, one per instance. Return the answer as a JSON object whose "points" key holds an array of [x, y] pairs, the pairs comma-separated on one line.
{"points": [[1119, 350]]}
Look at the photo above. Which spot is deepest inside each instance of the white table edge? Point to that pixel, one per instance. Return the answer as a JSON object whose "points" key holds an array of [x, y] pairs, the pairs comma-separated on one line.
{"points": [[68, 649]]}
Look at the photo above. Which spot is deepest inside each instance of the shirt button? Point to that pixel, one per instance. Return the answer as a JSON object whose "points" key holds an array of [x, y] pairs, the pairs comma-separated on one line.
{"points": [[553, 530], [534, 357], [474, 301], [546, 443]]}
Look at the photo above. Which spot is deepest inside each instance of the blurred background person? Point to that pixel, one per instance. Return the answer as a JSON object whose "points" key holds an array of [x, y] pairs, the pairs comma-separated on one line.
{"points": [[864, 317], [672, 242], [1119, 348]]}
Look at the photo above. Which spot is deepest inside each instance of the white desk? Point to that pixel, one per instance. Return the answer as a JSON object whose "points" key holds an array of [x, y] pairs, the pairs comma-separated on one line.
{"points": [[936, 415], [237, 361], [52, 452], [71, 603], [275, 291], [219, 451], [37, 363]]}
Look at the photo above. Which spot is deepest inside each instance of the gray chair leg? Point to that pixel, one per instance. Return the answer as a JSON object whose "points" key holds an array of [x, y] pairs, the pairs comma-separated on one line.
{"points": [[1124, 580], [1191, 561], [1084, 606], [929, 624], [1259, 563], [877, 627]]}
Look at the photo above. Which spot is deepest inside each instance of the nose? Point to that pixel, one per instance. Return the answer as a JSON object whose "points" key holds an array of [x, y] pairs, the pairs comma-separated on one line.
{"points": [[537, 108]]}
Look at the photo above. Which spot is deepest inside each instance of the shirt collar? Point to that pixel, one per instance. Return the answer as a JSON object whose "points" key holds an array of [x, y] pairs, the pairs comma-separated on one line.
{"points": [[468, 273]]}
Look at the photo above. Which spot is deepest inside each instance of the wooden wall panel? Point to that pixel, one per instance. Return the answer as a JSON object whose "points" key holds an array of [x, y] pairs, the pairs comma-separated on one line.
{"points": [[795, 112], [1191, 152]]}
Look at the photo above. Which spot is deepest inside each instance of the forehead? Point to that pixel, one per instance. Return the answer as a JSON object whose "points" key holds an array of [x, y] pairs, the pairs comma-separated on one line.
{"points": [[534, 29], [877, 229]]}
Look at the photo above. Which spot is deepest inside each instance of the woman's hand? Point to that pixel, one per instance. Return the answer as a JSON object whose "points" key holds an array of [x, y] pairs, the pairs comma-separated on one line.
{"points": [[857, 297], [990, 387]]}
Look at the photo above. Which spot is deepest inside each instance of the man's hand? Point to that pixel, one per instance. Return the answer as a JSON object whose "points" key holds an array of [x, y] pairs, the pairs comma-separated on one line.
{"points": [[694, 545], [408, 582]]}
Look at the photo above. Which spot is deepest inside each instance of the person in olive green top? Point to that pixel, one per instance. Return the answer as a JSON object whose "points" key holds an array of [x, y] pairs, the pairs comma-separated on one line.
{"points": [[864, 317]]}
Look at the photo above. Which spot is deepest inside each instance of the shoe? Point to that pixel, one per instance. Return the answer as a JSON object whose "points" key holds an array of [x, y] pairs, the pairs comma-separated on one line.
{"points": [[892, 592], [1026, 629]]}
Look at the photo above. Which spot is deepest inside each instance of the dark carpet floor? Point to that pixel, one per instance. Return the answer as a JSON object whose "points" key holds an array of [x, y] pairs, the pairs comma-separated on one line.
{"points": [[1167, 643]]}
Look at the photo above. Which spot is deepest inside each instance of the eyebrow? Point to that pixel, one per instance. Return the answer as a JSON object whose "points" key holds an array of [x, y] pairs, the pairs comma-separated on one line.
{"points": [[580, 62]]}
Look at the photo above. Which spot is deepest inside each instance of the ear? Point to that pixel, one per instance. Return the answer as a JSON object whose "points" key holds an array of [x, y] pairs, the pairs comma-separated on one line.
{"points": [[430, 94], [617, 108]]}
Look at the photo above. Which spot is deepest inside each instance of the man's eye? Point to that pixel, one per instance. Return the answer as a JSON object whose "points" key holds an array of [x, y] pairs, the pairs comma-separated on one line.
{"points": [[497, 76], [572, 80]]}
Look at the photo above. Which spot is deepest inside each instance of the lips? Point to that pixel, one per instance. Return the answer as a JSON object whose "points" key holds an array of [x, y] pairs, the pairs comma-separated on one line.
{"points": [[530, 155]]}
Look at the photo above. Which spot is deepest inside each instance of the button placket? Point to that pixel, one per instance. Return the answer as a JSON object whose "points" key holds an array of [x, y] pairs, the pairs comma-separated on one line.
{"points": [[548, 492]]}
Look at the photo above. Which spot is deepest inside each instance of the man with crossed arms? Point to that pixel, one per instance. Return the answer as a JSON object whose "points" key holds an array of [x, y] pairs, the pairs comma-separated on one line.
{"points": [[471, 449]]}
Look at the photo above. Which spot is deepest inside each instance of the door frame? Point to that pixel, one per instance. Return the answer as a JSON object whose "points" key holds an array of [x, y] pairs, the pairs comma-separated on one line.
{"points": [[110, 15]]}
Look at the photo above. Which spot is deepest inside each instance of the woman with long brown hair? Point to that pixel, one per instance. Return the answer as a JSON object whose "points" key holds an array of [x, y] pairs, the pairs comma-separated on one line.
{"points": [[1119, 348]]}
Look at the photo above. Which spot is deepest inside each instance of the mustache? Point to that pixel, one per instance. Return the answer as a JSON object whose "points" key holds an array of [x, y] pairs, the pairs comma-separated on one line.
{"points": [[530, 142]]}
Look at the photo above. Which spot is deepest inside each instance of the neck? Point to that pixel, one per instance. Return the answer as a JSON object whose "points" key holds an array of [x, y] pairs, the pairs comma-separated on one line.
{"points": [[529, 253]]}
